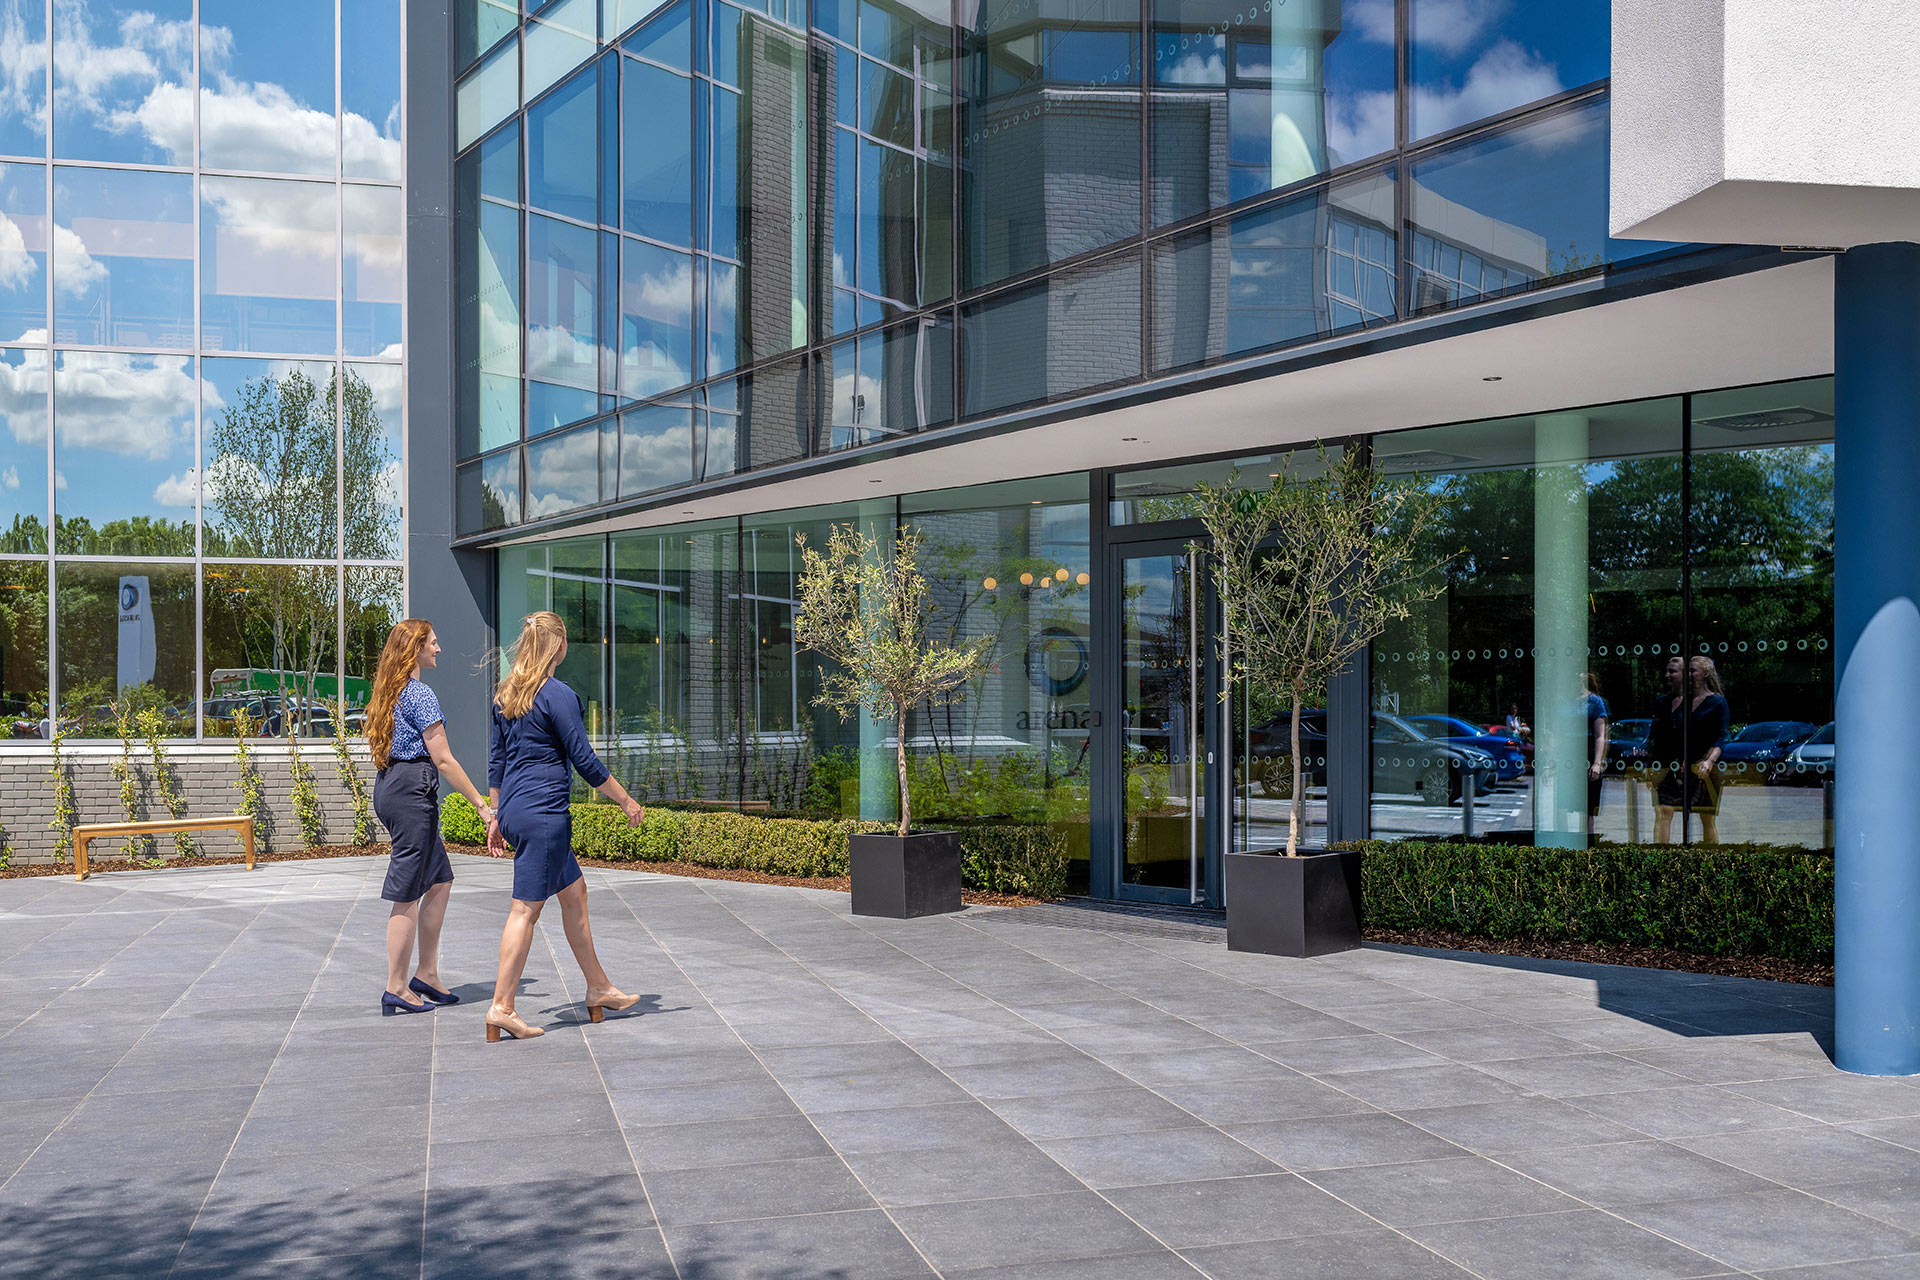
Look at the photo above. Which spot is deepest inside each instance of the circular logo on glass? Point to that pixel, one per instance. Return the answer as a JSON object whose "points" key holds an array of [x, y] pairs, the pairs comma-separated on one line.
{"points": [[129, 597]]}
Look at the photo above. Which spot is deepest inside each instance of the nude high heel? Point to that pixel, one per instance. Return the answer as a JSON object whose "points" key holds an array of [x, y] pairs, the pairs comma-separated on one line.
{"points": [[597, 1005], [507, 1020]]}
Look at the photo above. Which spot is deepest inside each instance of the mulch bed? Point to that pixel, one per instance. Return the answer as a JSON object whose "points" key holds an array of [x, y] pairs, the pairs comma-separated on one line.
{"points": [[1765, 967], [97, 864]]}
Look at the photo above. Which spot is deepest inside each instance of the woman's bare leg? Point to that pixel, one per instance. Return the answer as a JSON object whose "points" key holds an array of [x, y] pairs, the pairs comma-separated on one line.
{"points": [[1663, 824], [515, 941], [573, 916], [1710, 828], [433, 913], [402, 923]]}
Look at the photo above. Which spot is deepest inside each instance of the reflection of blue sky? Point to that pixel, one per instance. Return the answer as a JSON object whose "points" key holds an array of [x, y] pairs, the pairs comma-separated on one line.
{"points": [[23, 435], [123, 257], [123, 84], [107, 469]]}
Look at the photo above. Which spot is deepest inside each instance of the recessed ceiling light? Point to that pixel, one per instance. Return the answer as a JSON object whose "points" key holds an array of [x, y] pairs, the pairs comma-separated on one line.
{"points": [[1491, 378]]}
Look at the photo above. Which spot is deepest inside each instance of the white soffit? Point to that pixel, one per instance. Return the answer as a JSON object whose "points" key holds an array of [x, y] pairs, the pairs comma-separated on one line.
{"points": [[1763, 326], [1772, 122]]}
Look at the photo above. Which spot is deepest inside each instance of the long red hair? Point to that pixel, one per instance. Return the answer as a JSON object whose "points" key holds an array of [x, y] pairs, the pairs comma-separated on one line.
{"points": [[399, 661]]}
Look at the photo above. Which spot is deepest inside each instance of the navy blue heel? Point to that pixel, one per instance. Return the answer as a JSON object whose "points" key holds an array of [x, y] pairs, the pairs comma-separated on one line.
{"points": [[438, 997], [391, 1004]]}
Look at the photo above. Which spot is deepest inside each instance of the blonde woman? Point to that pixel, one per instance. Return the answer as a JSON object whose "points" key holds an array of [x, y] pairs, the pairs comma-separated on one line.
{"points": [[539, 737], [408, 738], [1689, 730]]}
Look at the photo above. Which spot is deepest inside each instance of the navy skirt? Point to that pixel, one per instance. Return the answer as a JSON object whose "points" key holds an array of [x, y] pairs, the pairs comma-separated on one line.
{"points": [[406, 799], [543, 861]]}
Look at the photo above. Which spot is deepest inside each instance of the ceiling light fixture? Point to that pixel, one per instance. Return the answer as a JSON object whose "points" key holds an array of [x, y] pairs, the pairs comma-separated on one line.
{"points": [[1493, 377]]}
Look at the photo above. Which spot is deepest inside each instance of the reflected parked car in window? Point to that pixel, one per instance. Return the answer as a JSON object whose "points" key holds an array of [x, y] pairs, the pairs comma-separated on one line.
{"points": [[1626, 739], [1759, 750], [1810, 763], [1509, 760], [1404, 759]]}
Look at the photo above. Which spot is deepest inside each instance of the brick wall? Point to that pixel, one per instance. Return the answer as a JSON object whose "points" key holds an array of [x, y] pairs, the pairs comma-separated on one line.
{"points": [[206, 781]]}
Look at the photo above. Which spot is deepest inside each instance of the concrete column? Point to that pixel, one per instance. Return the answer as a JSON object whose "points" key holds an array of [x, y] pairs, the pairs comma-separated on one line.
{"points": [[452, 589], [1877, 660], [1559, 630]]}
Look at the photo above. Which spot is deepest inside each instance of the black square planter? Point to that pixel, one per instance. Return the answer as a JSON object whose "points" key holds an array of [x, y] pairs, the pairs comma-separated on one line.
{"points": [[1304, 906], [900, 877]]}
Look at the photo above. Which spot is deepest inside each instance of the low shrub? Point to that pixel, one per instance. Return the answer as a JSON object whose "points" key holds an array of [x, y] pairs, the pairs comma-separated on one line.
{"points": [[997, 857], [1717, 900], [460, 821]]}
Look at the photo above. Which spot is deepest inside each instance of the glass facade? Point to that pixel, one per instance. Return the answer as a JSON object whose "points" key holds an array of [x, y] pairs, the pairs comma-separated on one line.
{"points": [[201, 301], [684, 643], [898, 214], [1632, 645], [1608, 566]]}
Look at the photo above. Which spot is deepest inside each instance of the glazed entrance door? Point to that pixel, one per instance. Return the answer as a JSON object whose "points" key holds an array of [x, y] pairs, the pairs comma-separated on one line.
{"points": [[1168, 728]]}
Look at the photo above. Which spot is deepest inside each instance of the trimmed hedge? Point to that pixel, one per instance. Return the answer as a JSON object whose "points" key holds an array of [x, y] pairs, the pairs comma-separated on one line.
{"points": [[997, 858], [1719, 900]]}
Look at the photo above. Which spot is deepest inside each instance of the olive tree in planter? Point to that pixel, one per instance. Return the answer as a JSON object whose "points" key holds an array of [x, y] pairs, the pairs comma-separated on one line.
{"points": [[1309, 571], [864, 606]]}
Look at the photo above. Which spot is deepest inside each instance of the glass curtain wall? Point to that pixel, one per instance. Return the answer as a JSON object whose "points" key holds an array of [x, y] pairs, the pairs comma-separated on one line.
{"points": [[1632, 644], [681, 643], [888, 215], [201, 305]]}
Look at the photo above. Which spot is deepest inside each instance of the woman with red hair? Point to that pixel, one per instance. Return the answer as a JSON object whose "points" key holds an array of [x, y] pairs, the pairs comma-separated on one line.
{"points": [[408, 737]]}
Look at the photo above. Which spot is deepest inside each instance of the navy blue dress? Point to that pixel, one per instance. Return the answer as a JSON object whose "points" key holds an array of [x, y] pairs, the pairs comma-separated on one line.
{"points": [[529, 765]]}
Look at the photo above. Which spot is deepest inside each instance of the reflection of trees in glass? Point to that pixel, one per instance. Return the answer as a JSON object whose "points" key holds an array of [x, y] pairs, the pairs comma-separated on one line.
{"points": [[27, 535], [1762, 563], [270, 486], [138, 535], [1005, 618], [23, 647]]}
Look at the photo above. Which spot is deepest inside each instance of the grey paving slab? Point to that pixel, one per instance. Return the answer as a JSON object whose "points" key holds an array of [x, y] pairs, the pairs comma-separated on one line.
{"points": [[1379, 1255], [1763, 1230], [1275, 1206], [1433, 1191], [1579, 1245], [862, 1243], [198, 1084]]}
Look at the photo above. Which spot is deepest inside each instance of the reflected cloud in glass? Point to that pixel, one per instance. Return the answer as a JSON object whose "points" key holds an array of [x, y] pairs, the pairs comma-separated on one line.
{"points": [[373, 280], [267, 266], [122, 81], [370, 114], [266, 87], [23, 451], [23, 252], [123, 258], [125, 482]]}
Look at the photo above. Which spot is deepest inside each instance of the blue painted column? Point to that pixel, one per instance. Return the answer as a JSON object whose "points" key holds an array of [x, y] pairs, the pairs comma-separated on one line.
{"points": [[1876, 593]]}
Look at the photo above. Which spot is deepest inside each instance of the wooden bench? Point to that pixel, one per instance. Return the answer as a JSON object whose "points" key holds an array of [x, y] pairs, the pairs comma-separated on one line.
{"points": [[742, 806], [86, 833]]}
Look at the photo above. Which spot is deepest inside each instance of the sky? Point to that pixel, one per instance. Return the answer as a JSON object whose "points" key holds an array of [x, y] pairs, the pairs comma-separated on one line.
{"points": [[123, 245]]}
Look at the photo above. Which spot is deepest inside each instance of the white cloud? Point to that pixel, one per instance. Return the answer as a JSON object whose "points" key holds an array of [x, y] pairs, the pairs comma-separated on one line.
{"points": [[178, 491], [1373, 19], [1505, 76], [23, 67], [568, 475], [140, 85], [17, 266], [23, 394], [10, 478], [1360, 126], [369, 152], [1455, 26], [59, 480], [135, 406], [75, 271]]}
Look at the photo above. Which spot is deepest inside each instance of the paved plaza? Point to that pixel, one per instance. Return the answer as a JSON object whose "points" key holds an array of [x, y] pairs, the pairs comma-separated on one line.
{"points": [[197, 1083]]}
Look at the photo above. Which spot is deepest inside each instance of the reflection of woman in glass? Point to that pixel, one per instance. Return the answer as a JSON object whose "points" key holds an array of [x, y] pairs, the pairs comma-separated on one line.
{"points": [[1595, 707], [1689, 727]]}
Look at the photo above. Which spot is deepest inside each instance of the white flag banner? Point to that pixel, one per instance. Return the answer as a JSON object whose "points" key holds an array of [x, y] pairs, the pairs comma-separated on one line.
{"points": [[136, 633]]}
